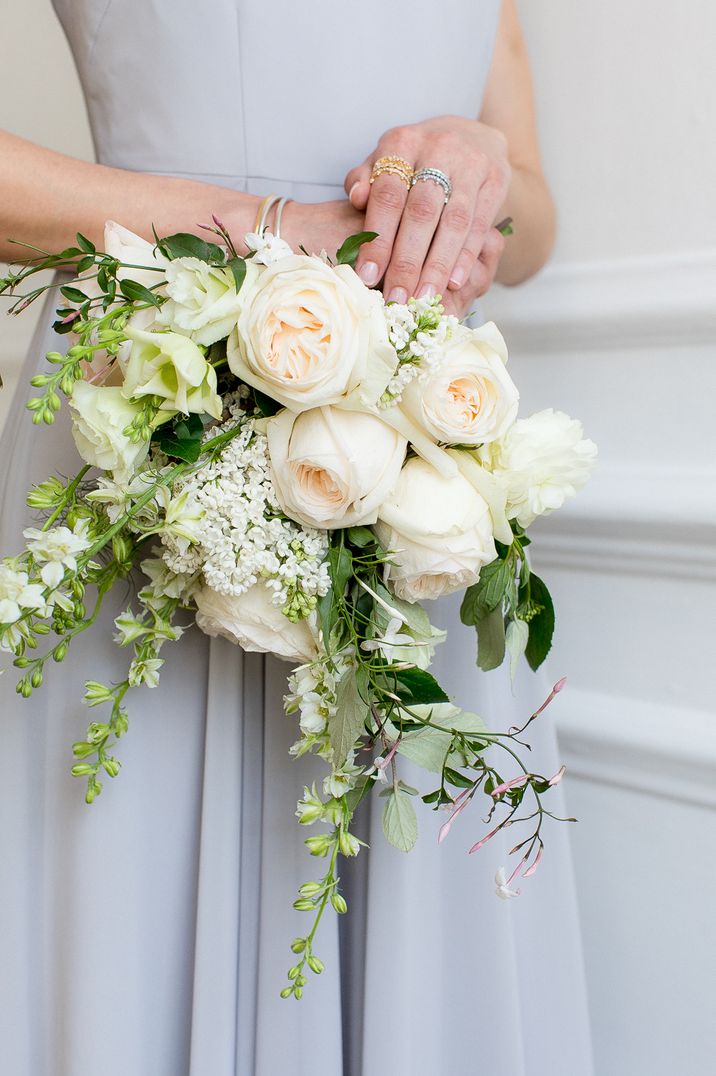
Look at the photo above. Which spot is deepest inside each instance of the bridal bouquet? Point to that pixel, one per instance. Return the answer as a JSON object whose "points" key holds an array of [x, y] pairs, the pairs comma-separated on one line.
{"points": [[295, 465]]}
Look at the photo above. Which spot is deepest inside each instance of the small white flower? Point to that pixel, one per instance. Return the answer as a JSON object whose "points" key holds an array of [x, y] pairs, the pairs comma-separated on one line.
{"points": [[17, 593], [144, 672], [267, 248], [58, 548], [501, 888], [391, 639]]}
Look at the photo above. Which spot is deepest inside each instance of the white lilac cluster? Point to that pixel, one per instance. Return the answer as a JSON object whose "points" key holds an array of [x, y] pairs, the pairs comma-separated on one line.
{"points": [[241, 534], [418, 330]]}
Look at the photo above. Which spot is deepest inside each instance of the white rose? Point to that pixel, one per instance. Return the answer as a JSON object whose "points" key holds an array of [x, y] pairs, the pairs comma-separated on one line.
{"points": [[254, 623], [101, 414], [541, 461], [203, 299], [171, 366], [439, 530], [333, 468], [468, 398], [310, 334]]}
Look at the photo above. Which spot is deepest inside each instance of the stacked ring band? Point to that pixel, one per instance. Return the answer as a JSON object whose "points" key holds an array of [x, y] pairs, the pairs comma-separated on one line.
{"points": [[436, 176], [393, 166]]}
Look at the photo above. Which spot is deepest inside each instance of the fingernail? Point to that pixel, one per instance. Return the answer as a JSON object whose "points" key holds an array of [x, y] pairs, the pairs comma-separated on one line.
{"points": [[369, 273], [350, 192], [398, 295], [458, 278], [426, 292]]}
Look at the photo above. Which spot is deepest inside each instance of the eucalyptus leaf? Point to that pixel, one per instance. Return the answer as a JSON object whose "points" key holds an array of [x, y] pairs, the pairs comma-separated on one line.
{"points": [[400, 823]]}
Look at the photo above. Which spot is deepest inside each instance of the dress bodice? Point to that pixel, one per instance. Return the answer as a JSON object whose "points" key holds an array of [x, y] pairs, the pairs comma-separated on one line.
{"points": [[254, 92]]}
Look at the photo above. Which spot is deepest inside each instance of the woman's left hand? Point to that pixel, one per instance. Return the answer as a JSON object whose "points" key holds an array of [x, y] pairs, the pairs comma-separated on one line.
{"points": [[425, 246]]}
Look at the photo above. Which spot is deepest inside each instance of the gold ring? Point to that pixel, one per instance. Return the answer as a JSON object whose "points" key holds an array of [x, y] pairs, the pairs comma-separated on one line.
{"points": [[393, 166]]}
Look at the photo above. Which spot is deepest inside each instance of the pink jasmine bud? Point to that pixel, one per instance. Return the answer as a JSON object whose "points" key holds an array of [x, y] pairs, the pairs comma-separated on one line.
{"points": [[70, 317], [483, 841], [445, 828], [217, 222], [517, 869], [530, 870], [558, 776], [382, 763], [511, 784]]}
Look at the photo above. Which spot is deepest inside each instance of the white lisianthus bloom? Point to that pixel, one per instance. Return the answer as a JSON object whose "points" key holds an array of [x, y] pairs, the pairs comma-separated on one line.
{"points": [[203, 300], [311, 334], [333, 468], [542, 461], [17, 593], [101, 414], [253, 622], [439, 531], [56, 550], [171, 366], [467, 397]]}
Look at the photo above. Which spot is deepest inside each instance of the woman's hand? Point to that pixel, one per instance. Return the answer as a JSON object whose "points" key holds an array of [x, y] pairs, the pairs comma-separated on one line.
{"points": [[321, 225], [461, 300], [425, 247]]}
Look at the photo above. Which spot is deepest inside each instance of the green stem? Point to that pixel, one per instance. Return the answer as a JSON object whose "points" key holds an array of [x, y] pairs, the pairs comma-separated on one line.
{"points": [[69, 494]]}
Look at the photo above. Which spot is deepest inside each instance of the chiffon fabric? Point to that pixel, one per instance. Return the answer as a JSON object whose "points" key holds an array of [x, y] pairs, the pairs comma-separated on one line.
{"points": [[148, 935]]}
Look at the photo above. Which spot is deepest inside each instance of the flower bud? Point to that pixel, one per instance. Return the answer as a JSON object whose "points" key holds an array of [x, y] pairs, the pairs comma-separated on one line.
{"points": [[302, 905], [36, 678], [339, 904], [310, 889], [315, 964], [298, 945], [286, 992], [319, 845], [348, 844], [111, 766], [82, 749], [60, 652], [84, 769]]}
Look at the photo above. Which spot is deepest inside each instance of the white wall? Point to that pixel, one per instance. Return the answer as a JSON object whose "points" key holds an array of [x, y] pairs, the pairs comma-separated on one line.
{"points": [[621, 332]]}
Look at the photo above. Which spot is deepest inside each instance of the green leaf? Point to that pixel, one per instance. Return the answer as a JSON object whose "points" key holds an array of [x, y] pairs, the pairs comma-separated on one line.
{"points": [[428, 747], [181, 449], [327, 615], [73, 295], [360, 536], [238, 268], [348, 722], [84, 244], [185, 245], [541, 625], [491, 640], [340, 561], [489, 591], [417, 686], [137, 293], [348, 252], [265, 404], [400, 823]]}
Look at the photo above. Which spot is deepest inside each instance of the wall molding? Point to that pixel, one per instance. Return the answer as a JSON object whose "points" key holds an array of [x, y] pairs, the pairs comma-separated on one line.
{"points": [[626, 302], [640, 745], [636, 521]]}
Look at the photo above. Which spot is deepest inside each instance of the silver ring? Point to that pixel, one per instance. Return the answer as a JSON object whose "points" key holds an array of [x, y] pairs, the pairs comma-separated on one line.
{"points": [[436, 176]]}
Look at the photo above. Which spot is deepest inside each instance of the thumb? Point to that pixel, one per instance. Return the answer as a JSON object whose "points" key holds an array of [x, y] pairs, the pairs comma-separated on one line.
{"points": [[357, 185]]}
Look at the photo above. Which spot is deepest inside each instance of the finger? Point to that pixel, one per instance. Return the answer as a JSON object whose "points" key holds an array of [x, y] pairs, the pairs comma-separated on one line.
{"points": [[451, 236], [421, 215], [490, 199], [357, 184], [386, 202], [482, 276]]}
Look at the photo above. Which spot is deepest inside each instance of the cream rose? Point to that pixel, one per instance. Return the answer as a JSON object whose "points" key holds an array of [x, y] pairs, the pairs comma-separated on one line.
{"points": [[541, 461], [203, 299], [439, 530], [469, 398], [333, 468], [254, 623], [101, 414], [310, 334], [170, 366]]}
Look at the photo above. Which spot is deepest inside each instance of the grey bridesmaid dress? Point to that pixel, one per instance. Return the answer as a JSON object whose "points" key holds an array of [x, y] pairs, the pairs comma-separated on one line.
{"points": [[148, 935]]}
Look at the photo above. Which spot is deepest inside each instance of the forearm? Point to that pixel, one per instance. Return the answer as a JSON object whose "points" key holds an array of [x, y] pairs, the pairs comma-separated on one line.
{"points": [[529, 204], [46, 197]]}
